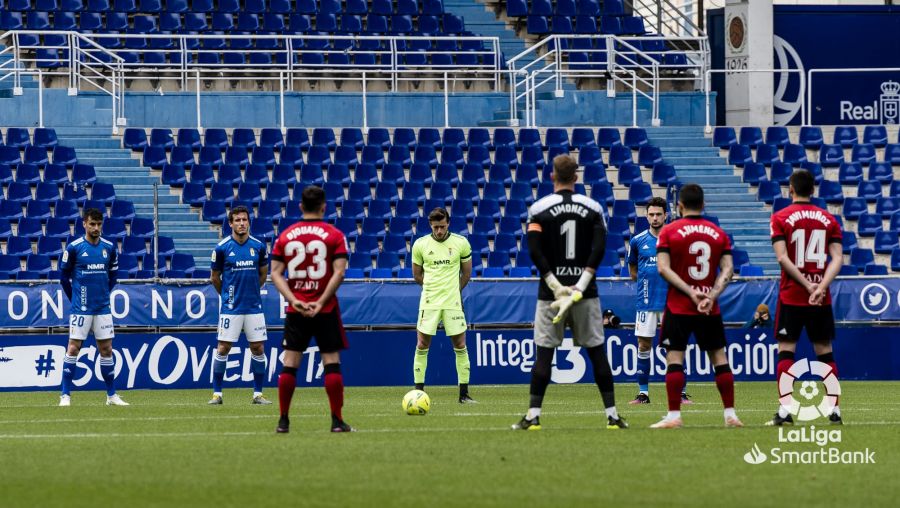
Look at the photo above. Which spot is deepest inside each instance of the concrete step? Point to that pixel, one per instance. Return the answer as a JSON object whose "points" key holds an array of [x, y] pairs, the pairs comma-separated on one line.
{"points": [[111, 161], [90, 143], [667, 142], [698, 161]]}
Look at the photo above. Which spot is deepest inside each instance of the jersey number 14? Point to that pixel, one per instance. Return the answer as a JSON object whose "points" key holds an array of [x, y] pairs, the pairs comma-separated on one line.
{"points": [[809, 252]]}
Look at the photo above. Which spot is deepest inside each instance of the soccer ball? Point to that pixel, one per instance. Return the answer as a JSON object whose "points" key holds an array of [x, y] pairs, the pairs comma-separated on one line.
{"points": [[416, 402]]}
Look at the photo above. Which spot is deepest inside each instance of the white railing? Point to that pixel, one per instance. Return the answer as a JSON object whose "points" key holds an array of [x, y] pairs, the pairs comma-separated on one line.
{"points": [[708, 89], [667, 19], [623, 60], [84, 62]]}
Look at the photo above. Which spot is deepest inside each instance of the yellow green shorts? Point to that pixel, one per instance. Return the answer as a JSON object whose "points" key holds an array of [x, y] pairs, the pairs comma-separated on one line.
{"points": [[454, 321]]}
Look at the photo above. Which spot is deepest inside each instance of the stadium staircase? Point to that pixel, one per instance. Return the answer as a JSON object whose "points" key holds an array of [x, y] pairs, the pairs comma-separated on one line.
{"points": [[133, 182], [727, 197]]}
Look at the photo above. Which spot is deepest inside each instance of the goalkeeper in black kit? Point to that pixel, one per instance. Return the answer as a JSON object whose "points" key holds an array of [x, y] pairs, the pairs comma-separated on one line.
{"points": [[567, 239]]}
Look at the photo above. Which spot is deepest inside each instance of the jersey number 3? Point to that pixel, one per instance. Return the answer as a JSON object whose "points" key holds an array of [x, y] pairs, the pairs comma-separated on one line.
{"points": [[702, 251], [299, 250]]}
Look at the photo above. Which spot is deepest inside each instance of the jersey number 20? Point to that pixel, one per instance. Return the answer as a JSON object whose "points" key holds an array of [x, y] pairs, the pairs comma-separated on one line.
{"points": [[298, 250]]}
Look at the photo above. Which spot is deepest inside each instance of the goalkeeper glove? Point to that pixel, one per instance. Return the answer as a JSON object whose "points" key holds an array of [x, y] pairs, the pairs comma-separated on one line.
{"points": [[563, 304], [558, 289]]}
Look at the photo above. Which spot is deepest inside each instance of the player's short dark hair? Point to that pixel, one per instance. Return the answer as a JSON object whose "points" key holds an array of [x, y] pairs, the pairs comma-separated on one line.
{"points": [[566, 168], [657, 202], [92, 214], [803, 183], [312, 199], [237, 211], [691, 196], [439, 214]]}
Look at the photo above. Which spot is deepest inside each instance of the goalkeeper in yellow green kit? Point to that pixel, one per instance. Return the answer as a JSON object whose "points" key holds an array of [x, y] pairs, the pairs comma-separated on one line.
{"points": [[442, 265]]}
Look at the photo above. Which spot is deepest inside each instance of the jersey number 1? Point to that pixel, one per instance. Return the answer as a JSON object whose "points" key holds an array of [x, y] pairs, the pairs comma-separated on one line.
{"points": [[299, 251], [568, 231]]}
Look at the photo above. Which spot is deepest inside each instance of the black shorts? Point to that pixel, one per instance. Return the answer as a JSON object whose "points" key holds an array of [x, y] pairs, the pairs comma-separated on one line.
{"points": [[327, 328], [677, 329], [818, 320]]}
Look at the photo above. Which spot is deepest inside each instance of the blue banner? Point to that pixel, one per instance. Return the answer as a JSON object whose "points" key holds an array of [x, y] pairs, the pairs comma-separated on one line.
{"points": [[838, 37], [184, 360], [396, 303]]}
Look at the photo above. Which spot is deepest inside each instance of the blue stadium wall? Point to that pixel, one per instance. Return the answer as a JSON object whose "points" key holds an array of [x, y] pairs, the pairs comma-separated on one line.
{"points": [[823, 37], [333, 110], [178, 355]]}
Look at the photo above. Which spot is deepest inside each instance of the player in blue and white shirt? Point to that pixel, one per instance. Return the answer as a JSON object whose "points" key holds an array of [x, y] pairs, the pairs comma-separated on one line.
{"points": [[88, 270], [651, 291], [239, 269]]}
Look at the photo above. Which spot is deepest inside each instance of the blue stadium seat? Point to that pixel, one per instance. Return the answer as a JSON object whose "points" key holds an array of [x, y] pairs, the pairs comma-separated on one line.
{"points": [[30, 228], [18, 137], [768, 191], [781, 172], [778, 136], [521, 191], [845, 135], [619, 155], [794, 154], [629, 174], [66, 210], [45, 138], [18, 246], [739, 155], [767, 154], [831, 192], [780, 203], [479, 137], [648, 156], [868, 224], [182, 155], [214, 212], [850, 173], [881, 172], [503, 137], [640, 193], [495, 191], [863, 153], [751, 136], [724, 137], [122, 209], [811, 137], [751, 271], [887, 206], [155, 157], [875, 269], [831, 155], [194, 194], [9, 155], [40, 210], [895, 260], [462, 208], [663, 174], [28, 173], [624, 208], [869, 190], [635, 138], [35, 155], [853, 208], [886, 242], [754, 173], [876, 135], [860, 258]]}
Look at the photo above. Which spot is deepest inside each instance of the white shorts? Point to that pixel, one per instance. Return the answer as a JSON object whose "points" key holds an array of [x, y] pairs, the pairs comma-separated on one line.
{"points": [[646, 322], [231, 326], [81, 325]]}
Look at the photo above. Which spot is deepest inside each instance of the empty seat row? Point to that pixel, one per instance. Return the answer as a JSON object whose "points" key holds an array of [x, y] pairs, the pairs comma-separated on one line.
{"points": [[232, 6], [606, 137], [830, 155], [810, 136], [20, 137], [83, 174], [610, 8], [564, 25], [37, 155]]}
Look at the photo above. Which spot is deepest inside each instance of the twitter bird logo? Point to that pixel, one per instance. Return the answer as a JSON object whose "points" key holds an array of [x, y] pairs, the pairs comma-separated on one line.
{"points": [[875, 299]]}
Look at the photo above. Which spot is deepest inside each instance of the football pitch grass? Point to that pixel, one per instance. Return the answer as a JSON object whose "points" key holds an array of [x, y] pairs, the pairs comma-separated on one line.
{"points": [[170, 449]]}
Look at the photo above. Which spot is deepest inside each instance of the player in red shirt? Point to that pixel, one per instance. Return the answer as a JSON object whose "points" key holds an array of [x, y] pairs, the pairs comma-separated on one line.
{"points": [[315, 256], [804, 236], [690, 252]]}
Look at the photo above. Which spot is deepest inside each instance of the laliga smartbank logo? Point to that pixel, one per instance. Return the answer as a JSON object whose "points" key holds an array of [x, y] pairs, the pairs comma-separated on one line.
{"points": [[809, 445]]}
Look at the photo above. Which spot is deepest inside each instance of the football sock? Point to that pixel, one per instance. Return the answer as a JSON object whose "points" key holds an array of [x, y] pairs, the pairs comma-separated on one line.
{"points": [[828, 358], [462, 365], [218, 372], [287, 381], [671, 415], [420, 363], [674, 384], [725, 384], [603, 377], [258, 367], [785, 361], [68, 373], [729, 413], [334, 387], [533, 412], [463, 389], [108, 372], [643, 371], [540, 376]]}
